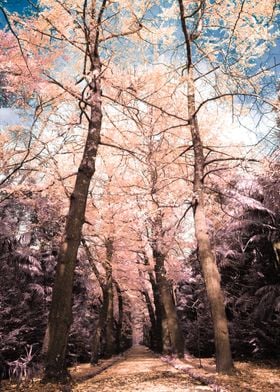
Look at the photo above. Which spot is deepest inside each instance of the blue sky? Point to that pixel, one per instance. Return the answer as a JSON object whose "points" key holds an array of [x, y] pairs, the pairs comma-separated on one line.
{"points": [[20, 6], [16, 5]]}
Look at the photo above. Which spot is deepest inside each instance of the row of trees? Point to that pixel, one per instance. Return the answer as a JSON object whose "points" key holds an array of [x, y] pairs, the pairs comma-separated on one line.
{"points": [[246, 258], [30, 235], [148, 128]]}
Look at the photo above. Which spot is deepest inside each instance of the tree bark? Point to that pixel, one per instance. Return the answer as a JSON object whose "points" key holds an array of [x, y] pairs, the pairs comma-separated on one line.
{"points": [[60, 317], [105, 325], [159, 331], [96, 340], [172, 337], [206, 255], [120, 318], [169, 317], [152, 317], [109, 347], [106, 316]]}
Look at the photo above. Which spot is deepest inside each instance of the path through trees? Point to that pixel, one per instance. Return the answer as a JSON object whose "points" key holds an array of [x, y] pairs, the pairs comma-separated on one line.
{"points": [[137, 202], [141, 370]]}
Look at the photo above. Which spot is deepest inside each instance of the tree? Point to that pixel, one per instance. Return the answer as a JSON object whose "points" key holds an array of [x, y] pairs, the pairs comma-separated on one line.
{"points": [[206, 255], [171, 329], [60, 313], [81, 33], [243, 238], [194, 26]]}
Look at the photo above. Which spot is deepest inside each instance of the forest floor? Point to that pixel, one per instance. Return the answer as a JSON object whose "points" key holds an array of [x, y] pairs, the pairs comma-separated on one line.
{"points": [[140, 370]]}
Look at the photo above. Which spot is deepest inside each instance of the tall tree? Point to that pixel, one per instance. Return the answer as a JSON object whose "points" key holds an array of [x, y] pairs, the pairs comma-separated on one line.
{"points": [[60, 313], [196, 19], [80, 30], [206, 254]]}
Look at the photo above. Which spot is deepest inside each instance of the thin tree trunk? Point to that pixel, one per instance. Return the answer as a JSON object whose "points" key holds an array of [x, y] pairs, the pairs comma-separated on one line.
{"points": [[106, 316], [171, 330], [96, 340], [153, 330], [156, 313], [109, 327], [95, 344], [109, 348], [206, 256], [120, 318], [170, 317]]}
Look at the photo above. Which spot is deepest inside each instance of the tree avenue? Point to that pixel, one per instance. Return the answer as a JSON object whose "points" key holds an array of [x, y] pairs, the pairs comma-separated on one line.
{"points": [[136, 117]]}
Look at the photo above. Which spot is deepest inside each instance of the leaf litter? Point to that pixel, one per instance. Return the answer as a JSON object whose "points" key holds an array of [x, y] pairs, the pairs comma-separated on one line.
{"points": [[140, 370]]}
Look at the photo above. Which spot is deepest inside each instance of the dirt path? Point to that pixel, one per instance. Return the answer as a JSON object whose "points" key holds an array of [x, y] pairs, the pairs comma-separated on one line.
{"points": [[140, 371]]}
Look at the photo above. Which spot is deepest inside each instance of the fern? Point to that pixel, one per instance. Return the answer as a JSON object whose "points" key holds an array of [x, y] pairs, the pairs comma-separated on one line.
{"points": [[36, 288]]}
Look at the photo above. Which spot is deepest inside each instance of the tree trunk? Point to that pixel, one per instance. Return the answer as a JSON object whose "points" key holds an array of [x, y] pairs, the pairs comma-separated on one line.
{"points": [[170, 318], [60, 317], [109, 326], [172, 337], [96, 341], [159, 331], [97, 333], [120, 318], [106, 317], [109, 348], [214, 291], [206, 256], [152, 317]]}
